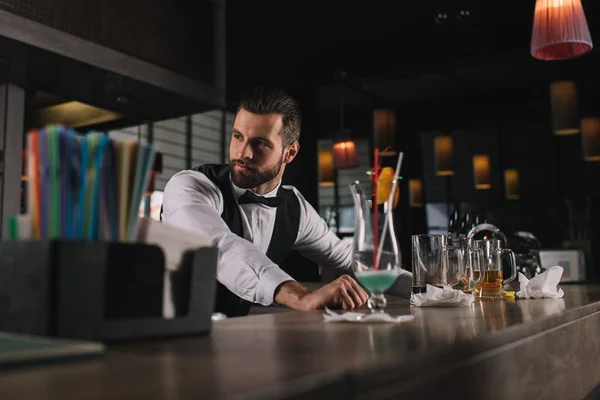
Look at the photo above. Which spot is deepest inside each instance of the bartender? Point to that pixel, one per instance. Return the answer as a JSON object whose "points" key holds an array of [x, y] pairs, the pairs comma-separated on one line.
{"points": [[255, 221]]}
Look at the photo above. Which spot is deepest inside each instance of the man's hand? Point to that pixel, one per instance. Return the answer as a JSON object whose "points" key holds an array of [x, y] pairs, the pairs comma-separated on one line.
{"points": [[343, 293]]}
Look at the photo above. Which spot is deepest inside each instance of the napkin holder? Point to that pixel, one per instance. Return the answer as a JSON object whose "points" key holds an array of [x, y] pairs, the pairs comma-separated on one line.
{"points": [[102, 291]]}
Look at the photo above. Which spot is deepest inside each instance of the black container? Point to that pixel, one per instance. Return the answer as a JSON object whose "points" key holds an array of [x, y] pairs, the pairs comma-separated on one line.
{"points": [[102, 291]]}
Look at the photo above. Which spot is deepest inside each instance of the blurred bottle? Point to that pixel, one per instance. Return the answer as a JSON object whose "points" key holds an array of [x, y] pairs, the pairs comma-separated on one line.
{"points": [[480, 219], [453, 223], [465, 224]]}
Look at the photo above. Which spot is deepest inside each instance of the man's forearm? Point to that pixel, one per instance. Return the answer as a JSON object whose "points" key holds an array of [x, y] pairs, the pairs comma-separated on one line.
{"points": [[291, 294]]}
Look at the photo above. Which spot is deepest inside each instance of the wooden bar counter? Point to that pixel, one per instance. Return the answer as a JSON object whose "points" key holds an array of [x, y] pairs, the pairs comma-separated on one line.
{"points": [[517, 349]]}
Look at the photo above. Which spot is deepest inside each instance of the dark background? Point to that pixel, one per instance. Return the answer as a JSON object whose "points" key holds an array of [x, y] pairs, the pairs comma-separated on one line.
{"points": [[468, 76], [174, 34]]}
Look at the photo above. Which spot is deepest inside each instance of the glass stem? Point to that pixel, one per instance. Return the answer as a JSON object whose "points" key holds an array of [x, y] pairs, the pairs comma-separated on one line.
{"points": [[377, 303]]}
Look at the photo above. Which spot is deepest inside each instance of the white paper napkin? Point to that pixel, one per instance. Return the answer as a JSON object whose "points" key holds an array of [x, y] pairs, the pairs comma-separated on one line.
{"points": [[332, 316], [541, 286], [442, 297]]}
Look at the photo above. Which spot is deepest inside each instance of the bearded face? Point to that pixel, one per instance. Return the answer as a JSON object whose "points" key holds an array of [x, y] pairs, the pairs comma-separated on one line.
{"points": [[256, 151], [247, 175]]}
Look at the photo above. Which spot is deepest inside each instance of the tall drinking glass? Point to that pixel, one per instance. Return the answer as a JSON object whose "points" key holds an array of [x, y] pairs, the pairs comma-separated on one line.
{"points": [[376, 255]]}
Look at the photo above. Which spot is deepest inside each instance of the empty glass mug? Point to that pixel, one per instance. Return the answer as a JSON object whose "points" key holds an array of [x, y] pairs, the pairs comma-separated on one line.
{"points": [[492, 283], [435, 262]]}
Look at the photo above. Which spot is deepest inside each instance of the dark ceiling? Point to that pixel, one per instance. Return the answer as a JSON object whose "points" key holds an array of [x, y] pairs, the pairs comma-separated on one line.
{"points": [[396, 53]]}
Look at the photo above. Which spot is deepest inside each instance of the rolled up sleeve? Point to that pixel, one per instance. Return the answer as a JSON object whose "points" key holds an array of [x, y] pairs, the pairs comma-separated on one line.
{"points": [[269, 281]]}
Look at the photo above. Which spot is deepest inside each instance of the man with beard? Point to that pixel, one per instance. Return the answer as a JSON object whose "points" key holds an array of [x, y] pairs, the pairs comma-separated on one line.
{"points": [[255, 221]]}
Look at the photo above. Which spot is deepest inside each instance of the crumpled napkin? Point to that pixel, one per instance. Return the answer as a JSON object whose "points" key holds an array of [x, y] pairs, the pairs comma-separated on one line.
{"points": [[442, 297], [541, 286], [332, 316]]}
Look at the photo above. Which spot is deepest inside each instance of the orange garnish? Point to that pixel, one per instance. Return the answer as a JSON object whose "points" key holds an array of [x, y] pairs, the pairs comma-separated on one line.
{"points": [[384, 186]]}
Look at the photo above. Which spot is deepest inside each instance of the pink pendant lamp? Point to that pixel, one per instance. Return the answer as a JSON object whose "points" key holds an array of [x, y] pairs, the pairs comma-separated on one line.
{"points": [[560, 30], [344, 155]]}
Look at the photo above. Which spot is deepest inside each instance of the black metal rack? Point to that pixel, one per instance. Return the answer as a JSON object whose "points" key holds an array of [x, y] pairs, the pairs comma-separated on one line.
{"points": [[102, 290]]}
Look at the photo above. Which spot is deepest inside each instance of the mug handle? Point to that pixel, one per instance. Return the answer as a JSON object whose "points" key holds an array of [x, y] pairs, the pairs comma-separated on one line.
{"points": [[461, 264], [480, 256], [513, 266]]}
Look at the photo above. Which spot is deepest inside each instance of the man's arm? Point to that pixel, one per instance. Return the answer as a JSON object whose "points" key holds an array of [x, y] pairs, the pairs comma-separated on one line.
{"points": [[319, 243], [191, 201]]}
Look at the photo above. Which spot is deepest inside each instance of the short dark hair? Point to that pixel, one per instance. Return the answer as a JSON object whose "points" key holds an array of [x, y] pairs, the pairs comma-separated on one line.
{"points": [[264, 100]]}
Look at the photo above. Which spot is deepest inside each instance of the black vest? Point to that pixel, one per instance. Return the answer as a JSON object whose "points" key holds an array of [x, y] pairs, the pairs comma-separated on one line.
{"points": [[285, 231]]}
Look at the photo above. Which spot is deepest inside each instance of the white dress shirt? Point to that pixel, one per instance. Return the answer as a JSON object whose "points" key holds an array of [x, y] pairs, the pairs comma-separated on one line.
{"points": [[192, 201]]}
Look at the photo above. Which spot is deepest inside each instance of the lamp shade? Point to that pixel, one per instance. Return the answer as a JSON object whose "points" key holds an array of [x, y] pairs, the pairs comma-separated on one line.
{"points": [[326, 168], [415, 193], [384, 128], [511, 184], [560, 30], [444, 153], [481, 171], [344, 155], [565, 112], [590, 138]]}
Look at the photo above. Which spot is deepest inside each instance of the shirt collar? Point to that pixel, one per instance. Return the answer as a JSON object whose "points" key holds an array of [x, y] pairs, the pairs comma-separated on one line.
{"points": [[238, 191]]}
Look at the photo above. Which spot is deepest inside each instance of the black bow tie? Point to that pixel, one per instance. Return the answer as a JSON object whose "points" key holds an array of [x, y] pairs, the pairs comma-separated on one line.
{"points": [[250, 197]]}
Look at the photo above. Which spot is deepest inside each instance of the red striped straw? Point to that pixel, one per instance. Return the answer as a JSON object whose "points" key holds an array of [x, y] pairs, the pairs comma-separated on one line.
{"points": [[560, 30], [375, 208]]}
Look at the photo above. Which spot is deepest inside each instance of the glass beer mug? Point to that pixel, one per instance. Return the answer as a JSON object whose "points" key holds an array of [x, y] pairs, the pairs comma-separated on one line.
{"points": [[435, 262], [491, 284], [473, 259]]}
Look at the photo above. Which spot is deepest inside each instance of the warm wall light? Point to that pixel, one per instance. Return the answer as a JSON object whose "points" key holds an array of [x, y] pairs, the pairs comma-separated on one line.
{"points": [[565, 113], [560, 31], [590, 138], [344, 155], [444, 152], [511, 184], [75, 114], [326, 168], [384, 129], [415, 193], [481, 171]]}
